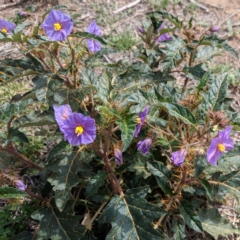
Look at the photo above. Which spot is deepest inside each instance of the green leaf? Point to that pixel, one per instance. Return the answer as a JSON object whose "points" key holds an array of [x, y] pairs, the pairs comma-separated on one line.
{"points": [[214, 224], [138, 165], [65, 169], [162, 175], [205, 53], [228, 184], [217, 91], [196, 72], [9, 192], [167, 15], [179, 230], [95, 183], [156, 24], [16, 136], [207, 187], [214, 41], [200, 164], [178, 111], [45, 87], [24, 236], [7, 110], [104, 87], [131, 217], [35, 118], [173, 51], [189, 217], [127, 127], [58, 225], [57, 149], [203, 81], [131, 77]]}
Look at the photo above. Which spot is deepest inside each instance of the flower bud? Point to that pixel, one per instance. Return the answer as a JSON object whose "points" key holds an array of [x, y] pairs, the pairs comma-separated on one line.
{"points": [[214, 29]]}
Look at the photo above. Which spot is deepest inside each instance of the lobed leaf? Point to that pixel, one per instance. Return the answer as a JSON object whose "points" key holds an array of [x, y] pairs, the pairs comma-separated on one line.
{"points": [[162, 175], [127, 127], [173, 51], [216, 93], [132, 217], [215, 224], [58, 225], [189, 217], [178, 230], [65, 168]]}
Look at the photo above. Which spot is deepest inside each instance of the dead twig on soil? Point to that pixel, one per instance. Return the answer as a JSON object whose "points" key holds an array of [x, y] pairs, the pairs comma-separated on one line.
{"points": [[229, 17], [211, 5], [126, 6], [199, 5]]}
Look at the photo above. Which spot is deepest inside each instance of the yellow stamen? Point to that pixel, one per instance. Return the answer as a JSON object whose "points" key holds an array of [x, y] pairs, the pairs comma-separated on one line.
{"points": [[57, 26], [138, 120], [79, 130], [221, 147], [4, 30]]}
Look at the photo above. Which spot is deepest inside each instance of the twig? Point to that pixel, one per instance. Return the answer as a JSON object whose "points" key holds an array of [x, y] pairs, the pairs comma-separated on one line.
{"points": [[13, 151], [127, 6], [229, 17], [33, 195], [209, 4], [200, 5]]}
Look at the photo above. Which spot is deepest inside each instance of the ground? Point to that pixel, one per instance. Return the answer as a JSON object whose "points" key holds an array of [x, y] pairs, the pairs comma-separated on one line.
{"points": [[224, 13]]}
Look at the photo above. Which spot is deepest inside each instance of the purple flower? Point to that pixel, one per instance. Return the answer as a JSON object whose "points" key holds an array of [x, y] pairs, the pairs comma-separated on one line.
{"points": [[219, 145], [79, 129], [144, 145], [62, 113], [118, 156], [20, 185], [140, 120], [57, 25], [23, 14], [214, 29], [178, 157], [6, 27], [93, 45], [141, 30], [163, 37]]}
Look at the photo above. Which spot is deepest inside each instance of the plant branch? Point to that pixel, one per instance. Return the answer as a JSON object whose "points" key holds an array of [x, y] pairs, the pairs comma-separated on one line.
{"points": [[13, 151], [179, 188], [89, 225]]}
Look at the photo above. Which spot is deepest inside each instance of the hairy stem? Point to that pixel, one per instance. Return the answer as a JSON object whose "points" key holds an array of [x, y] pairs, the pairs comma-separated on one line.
{"points": [[89, 225], [177, 191]]}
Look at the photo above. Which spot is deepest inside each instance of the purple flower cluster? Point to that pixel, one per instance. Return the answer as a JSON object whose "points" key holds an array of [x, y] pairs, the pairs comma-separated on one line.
{"points": [[93, 45], [219, 145], [57, 25], [77, 128], [6, 27]]}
